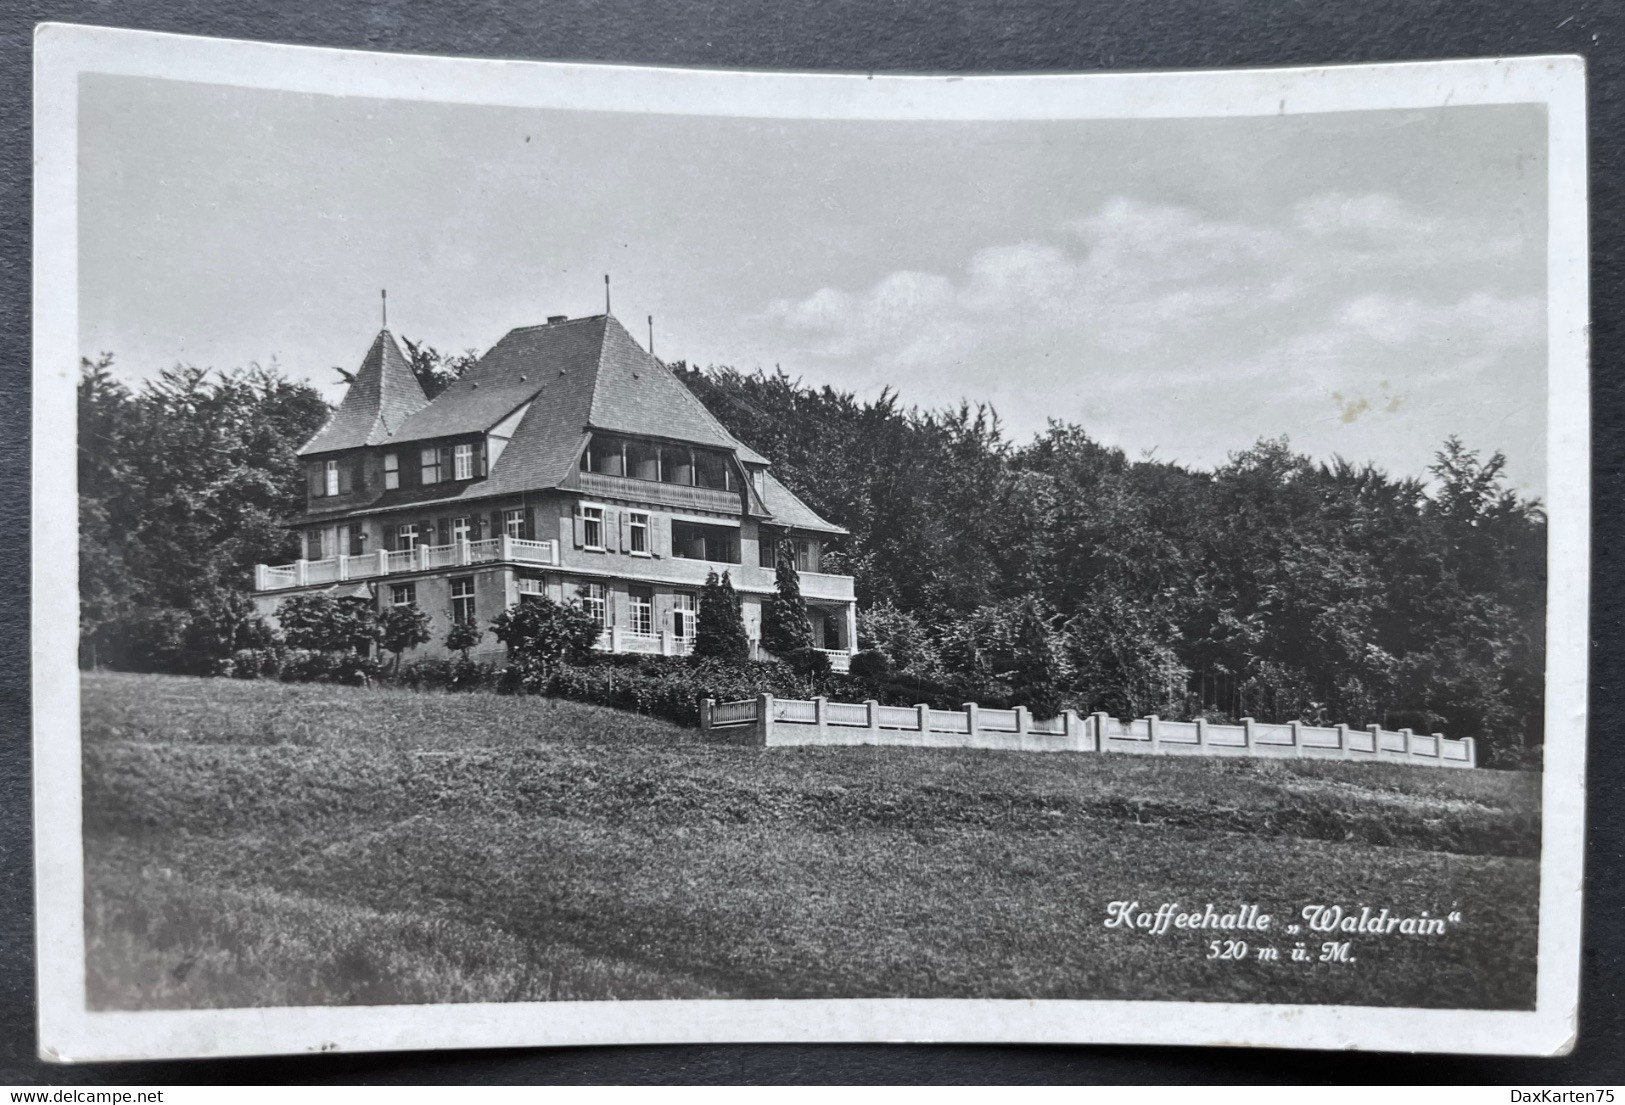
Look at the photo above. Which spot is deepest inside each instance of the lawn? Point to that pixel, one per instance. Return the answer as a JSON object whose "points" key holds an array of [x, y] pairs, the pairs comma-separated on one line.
{"points": [[271, 844]]}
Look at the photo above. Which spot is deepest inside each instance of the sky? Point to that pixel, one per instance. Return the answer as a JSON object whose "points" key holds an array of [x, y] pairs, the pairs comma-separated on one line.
{"points": [[1364, 283]]}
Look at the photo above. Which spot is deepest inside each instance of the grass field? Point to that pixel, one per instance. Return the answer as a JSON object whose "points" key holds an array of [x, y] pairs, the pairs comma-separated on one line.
{"points": [[270, 844]]}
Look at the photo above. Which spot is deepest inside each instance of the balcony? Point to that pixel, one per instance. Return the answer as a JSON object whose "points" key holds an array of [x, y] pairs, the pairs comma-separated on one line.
{"points": [[339, 569]]}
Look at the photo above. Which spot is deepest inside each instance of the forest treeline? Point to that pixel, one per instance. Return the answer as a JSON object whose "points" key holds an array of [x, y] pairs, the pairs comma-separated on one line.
{"points": [[1274, 586]]}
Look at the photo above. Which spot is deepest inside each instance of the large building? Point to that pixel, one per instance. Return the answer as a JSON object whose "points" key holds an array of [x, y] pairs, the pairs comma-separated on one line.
{"points": [[568, 462]]}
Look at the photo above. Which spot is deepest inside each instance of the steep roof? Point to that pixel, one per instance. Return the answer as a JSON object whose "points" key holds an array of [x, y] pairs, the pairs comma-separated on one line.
{"points": [[381, 399], [788, 510], [581, 374]]}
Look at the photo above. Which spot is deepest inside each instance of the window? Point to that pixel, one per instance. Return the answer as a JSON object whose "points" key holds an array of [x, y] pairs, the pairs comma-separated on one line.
{"points": [[767, 550], [592, 601], [459, 530], [462, 600], [462, 462], [430, 461], [392, 471], [403, 594], [406, 537], [330, 478], [592, 527], [803, 556], [682, 616], [313, 545], [637, 528], [513, 524], [694, 541], [643, 612], [711, 470], [758, 480]]}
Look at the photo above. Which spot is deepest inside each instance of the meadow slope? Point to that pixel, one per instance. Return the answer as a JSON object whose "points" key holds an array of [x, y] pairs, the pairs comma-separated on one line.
{"points": [[270, 844]]}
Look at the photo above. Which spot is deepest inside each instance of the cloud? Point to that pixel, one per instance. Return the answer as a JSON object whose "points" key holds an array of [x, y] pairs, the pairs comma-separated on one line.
{"points": [[1133, 278]]}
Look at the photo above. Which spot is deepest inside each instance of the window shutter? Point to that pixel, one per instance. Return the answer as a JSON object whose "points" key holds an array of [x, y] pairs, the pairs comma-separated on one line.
{"points": [[610, 537], [580, 527], [479, 459], [660, 535], [496, 524], [447, 472], [626, 531], [315, 474], [344, 477]]}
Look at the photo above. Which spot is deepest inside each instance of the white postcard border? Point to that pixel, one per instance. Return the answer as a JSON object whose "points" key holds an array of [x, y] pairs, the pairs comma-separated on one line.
{"points": [[70, 1033]]}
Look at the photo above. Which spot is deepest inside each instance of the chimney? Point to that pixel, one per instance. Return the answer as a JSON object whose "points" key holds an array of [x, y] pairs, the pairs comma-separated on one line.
{"points": [[554, 320]]}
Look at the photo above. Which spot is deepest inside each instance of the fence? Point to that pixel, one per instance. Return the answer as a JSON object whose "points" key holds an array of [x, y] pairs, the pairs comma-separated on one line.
{"points": [[777, 722]]}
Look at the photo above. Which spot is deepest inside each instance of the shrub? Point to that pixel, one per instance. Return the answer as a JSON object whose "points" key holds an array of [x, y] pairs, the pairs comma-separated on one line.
{"points": [[403, 627], [324, 623], [463, 636], [303, 665], [809, 663], [256, 663], [871, 664], [540, 635], [670, 687]]}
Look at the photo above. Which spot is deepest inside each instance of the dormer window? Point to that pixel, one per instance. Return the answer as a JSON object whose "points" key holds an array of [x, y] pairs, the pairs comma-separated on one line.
{"points": [[429, 459], [392, 471], [462, 465]]}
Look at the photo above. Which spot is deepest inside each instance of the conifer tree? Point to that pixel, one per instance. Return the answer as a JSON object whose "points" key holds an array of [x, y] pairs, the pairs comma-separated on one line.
{"points": [[785, 628], [720, 633]]}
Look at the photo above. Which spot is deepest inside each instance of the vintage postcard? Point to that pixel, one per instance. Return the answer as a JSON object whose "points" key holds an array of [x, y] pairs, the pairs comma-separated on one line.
{"points": [[579, 554]]}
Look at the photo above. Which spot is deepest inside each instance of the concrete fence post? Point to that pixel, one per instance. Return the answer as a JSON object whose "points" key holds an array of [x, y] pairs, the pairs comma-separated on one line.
{"points": [[1438, 746], [1472, 751], [1076, 736], [1151, 727], [383, 562], [1247, 735], [259, 578], [344, 566], [423, 557], [465, 555], [1342, 741], [871, 710], [922, 718], [1295, 731], [1102, 741], [973, 722], [1201, 733], [764, 719], [706, 705], [1376, 739], [820, 716], [507, 546], [1407, 734], [1024, 720], [301, 571]]}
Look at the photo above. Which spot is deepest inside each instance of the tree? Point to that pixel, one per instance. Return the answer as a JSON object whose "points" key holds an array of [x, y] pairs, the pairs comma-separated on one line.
{"points": [[1035, 676], [720, 634], [785, 628], [463, 636], [323, 623], [542, 634], [435, 371], [403, 627]]}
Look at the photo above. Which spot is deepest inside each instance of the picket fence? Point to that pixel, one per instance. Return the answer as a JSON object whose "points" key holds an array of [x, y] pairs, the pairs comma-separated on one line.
{"points": [[777, 722]]}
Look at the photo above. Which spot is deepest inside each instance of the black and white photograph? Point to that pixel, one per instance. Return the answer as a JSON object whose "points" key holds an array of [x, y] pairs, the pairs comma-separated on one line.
{"points": [[576, 554]]}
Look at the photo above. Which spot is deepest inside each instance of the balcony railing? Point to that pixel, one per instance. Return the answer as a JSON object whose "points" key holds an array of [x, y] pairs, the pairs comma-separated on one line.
{"points": [[337, 569]]}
